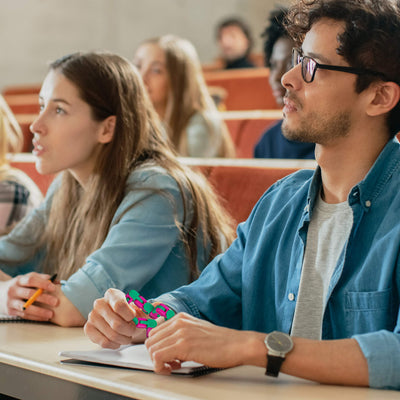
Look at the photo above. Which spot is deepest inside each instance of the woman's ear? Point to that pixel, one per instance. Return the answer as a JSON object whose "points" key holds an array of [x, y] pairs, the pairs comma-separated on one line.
{"points": [[385, 97], [108, 128]]}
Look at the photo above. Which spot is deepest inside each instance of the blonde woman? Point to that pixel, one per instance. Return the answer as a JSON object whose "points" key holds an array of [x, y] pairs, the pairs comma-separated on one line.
{"points": [[172, 74], [123, 213], [18, 193]]}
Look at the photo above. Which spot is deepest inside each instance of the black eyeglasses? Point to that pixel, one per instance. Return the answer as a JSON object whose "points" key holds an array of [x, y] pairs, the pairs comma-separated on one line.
{"points": [[309, 66]]}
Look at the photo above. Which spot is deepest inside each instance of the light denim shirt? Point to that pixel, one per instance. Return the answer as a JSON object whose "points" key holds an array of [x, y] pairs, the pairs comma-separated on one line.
{"points": [[254, 285], [142, 250]]}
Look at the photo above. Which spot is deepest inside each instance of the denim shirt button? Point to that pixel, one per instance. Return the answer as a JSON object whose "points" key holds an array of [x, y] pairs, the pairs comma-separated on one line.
{"points": [[368, 204], [291, 296]]}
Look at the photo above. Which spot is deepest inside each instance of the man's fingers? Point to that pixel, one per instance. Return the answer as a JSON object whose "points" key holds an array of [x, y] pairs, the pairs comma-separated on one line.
{"points": [[98, 337], [110, 323], [117, 301]]}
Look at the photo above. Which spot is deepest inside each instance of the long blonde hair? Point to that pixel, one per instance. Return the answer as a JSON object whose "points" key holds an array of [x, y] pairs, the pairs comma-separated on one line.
{"points": [[189, 94], [80, 219]]}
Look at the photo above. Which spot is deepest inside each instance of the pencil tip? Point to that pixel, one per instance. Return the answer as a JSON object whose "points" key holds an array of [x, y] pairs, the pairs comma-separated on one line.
{"points": [[23, 308]]}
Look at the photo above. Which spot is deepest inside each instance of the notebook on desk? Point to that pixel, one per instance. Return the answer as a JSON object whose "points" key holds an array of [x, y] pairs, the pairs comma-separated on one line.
{"points": [[14, 318], [135, 357]]}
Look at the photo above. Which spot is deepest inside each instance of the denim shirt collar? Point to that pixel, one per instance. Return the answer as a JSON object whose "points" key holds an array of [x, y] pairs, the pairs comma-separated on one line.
{"points": [[387, 163], [367, 190]]}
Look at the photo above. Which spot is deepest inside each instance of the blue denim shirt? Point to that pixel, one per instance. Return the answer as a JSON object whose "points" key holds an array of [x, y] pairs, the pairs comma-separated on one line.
{"points": [[255, 283], [143, 249]]}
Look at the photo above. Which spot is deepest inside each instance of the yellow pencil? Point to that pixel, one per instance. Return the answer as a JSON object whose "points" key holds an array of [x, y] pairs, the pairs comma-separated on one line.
{"points": [[38, 292]]}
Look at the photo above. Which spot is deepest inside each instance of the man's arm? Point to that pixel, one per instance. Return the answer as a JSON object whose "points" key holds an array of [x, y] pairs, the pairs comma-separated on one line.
{"points": [[187, 338]]}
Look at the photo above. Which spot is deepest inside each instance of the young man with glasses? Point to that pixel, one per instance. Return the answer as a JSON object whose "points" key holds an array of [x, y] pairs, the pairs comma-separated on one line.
{"points": [[319, 257]]}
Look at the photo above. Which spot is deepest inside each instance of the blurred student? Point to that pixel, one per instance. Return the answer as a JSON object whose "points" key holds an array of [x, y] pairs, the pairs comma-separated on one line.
{"points": [[235, 43], [172, 74], [18, 193], [123, 212], [278, 57]]}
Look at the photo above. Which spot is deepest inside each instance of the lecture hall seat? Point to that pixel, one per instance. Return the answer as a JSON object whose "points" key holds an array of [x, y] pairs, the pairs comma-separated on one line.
{"points": [[247, 127], [247, 89]]}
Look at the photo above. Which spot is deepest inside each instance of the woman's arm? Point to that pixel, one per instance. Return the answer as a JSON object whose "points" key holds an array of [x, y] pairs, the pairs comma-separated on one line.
{"points": [[65, 313], [142, 251]]}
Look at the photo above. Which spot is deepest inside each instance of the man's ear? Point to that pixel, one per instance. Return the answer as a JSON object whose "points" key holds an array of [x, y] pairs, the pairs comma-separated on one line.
{"points": [[108, 128], [384, 97]]}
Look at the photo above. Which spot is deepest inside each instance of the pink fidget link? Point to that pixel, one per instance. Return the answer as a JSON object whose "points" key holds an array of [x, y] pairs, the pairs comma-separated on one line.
{"points": [[160, 310]]}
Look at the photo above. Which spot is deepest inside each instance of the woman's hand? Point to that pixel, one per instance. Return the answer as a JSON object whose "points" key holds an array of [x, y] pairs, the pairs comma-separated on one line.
{"points": [[16, 291], [110, 322], [65, 313]]}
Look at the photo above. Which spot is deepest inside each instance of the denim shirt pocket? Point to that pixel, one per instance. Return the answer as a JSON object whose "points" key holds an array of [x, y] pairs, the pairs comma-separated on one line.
{"points": [[369, 311]]}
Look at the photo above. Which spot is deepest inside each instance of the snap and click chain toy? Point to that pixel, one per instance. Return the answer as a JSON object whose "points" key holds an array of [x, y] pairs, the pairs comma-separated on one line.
{"points": [[152, 310]]}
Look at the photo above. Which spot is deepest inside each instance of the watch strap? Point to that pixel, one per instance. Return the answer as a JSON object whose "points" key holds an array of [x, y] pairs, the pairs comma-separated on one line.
{"points": [[273, 365]]}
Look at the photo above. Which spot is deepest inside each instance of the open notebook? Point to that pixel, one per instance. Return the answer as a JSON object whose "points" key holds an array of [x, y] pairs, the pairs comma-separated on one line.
{"points": [[135, 357]]}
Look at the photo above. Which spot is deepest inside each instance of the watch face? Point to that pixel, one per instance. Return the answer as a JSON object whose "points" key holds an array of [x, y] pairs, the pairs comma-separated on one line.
{"points": [[279, 341]]}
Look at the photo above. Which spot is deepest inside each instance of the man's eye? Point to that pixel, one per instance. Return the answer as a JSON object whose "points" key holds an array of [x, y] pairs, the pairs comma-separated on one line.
{"points": [[59, 110]]}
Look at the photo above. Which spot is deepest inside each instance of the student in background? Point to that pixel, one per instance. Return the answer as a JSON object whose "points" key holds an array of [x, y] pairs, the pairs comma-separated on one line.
{"points": [[18, 193], [123, 212], [311, 285], [172, 74], [278, 57], [235, 43]]}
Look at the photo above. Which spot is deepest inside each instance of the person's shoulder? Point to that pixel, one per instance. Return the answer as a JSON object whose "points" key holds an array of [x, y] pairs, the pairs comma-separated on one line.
{"points": [[25, 184], [152, 176], [12, 191], [264, 147], [275, 129], [204, 119]]}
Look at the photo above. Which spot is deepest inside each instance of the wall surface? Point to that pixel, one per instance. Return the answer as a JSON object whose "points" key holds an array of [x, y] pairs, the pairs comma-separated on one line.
{"points": [[34, 32]]}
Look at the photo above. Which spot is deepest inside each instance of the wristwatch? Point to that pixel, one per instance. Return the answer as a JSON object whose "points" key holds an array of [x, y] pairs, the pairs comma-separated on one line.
{"points": [[278, 345]]}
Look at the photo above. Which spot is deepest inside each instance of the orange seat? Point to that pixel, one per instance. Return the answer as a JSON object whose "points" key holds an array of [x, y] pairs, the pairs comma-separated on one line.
{"points": [[240, 183], [246, 128], [247, 89], [21, 89]]}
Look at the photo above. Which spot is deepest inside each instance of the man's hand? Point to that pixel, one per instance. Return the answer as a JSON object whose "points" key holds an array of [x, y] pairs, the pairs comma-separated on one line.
{"points": [[16, 291], [186, 338], [110, 322]]}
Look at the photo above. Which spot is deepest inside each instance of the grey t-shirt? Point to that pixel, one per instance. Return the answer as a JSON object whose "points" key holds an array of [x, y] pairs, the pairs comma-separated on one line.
{"points": [[328, 232]]}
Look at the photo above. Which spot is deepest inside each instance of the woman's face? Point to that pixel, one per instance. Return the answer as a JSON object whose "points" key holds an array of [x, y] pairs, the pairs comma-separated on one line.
{"points": [[66, 137], [151, 62], [281, 62]]}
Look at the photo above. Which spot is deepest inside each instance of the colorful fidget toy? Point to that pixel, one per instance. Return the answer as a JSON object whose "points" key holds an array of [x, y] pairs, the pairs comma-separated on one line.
{"points": [[152, 310]]}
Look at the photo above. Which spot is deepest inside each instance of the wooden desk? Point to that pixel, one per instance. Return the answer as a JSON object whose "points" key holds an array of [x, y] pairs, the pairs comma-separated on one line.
{"points": [[30, 368]]}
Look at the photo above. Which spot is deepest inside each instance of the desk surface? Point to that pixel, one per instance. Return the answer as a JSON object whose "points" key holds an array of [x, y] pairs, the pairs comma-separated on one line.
{"points": [[27, 349]]}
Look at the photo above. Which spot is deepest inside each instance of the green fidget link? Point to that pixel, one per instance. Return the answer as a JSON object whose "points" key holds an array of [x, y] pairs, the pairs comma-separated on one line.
{"points": [[160, 310]]}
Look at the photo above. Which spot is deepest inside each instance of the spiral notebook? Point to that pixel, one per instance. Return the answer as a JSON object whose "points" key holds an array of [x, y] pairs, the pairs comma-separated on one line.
{"points": [[135, 357], [13, 318]]}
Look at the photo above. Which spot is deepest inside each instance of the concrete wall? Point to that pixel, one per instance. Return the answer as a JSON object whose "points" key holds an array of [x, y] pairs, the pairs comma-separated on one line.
{"points": [[34, 32]]}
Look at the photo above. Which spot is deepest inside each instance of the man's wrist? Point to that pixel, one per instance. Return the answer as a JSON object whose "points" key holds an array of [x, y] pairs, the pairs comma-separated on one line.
{"points": [[254, 350]]}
